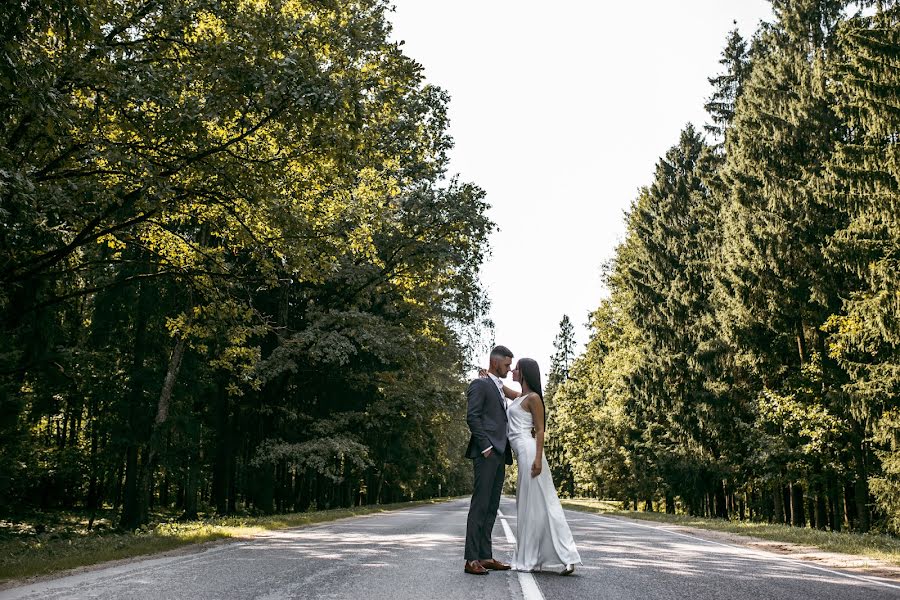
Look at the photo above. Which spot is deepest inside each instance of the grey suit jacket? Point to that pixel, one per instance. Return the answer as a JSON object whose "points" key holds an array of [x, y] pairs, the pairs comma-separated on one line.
{"points": [[486, 417]]}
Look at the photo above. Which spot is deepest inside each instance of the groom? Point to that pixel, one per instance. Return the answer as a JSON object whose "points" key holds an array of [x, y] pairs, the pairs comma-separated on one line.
{"points": [[490, 453]]}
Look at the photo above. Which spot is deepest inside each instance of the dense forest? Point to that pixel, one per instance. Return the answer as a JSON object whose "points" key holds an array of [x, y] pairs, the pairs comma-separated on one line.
{"points": [[234, 272], [746, 363]]}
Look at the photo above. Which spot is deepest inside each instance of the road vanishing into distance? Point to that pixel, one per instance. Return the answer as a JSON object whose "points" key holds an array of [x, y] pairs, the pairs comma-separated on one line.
{"points": [[416, 554]]}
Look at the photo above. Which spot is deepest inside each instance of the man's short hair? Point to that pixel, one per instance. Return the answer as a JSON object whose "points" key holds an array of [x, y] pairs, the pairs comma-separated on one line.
{"points": [[501, 352]]}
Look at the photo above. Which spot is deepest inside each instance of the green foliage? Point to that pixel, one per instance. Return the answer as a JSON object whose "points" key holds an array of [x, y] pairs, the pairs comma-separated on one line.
{"points": [[745, 364], [560, 366], [232, 269], [865, 184], [728, 86]]}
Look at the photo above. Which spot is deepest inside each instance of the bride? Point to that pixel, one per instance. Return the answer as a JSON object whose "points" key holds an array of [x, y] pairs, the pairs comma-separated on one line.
{"points": [[543, 536]]}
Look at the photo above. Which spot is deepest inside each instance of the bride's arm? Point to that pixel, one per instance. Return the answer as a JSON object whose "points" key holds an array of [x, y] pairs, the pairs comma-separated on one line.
{"points": [[508, 392], [536, 407]]}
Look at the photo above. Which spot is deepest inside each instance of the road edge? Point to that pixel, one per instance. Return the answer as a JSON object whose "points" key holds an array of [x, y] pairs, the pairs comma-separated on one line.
{"points": [[807, 554], [198, 547]]}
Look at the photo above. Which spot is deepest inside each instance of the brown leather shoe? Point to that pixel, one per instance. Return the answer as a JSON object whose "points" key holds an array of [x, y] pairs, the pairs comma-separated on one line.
{"points": [[473, 567], [494, 565]]}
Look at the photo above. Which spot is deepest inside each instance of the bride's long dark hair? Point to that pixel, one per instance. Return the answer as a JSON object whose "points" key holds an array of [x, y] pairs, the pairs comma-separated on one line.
{"points": [[531, 374]]}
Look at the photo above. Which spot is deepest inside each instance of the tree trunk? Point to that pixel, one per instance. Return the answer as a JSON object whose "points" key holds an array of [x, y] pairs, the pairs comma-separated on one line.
{"points": [[778, 497], [670, 504], [721, 501], [786, 498], [157, 436], [861, 490], [164, 489], [190, 486], [119, 485], [798, 515], [265, 489], [380, 487], [850, 506], [821, 509], [92, 502], [130, 511], [232, 484], [63, 429], [837, 505], [190, 494], [861, 469], [129, 519], [801, 343], [223, 450], [812, 508]]}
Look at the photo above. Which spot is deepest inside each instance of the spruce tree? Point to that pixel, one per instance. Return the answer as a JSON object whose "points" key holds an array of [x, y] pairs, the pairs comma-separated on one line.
{"points": [[560, 364], [776, 283], [727, 86], [866, 184], [668, 271], [563, 353]]}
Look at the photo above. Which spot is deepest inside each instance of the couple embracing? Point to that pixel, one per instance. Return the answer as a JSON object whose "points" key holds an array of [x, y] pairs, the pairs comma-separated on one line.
{"points": [[499, 430]]}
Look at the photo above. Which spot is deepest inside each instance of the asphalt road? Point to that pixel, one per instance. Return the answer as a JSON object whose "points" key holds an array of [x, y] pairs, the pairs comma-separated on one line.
{"points": [[417, 554]]}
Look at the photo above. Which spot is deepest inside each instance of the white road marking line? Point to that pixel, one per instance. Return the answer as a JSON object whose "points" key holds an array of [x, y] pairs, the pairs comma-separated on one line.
{"points": [[509, 534], [530, 589], [757, 552]]}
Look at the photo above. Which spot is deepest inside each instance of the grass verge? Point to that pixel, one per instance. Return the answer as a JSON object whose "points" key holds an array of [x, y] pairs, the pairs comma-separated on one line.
{"points": [[870, 545], [29, 555]]}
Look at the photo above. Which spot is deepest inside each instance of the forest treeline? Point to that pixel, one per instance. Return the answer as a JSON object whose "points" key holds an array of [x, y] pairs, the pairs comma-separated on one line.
{"points": [[746, 363], [234, 273]]}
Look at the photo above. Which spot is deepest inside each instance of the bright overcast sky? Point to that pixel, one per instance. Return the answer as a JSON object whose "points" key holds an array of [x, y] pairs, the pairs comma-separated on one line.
{"points": [[560, 112]]}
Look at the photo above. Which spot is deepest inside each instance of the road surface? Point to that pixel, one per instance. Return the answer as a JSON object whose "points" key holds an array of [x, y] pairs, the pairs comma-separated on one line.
{"points": [[417, 554]]}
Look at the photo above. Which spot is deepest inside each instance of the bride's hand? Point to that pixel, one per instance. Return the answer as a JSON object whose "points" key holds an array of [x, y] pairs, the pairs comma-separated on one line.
{"points": [[482, 372], [535, 469]]}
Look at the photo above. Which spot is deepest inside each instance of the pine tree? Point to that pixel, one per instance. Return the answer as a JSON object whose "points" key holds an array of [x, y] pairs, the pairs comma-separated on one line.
{"points": [[728, 86], [668, 270], [563, 353], [555, 447], [777, 285], [866, 184]]}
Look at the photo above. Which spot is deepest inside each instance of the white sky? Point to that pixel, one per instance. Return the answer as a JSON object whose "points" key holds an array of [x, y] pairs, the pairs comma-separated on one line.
{"points": [[560, 111]]}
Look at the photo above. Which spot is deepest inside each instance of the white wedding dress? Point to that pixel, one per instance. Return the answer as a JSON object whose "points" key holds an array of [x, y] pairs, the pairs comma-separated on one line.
{"points": [[544, 538]]}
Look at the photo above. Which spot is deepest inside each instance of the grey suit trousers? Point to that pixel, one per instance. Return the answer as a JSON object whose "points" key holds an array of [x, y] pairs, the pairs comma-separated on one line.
{"points": [[489, 474]]}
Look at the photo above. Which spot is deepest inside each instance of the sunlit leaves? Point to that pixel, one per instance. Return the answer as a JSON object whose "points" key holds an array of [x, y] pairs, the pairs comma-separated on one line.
{"points": [[261, 183]]}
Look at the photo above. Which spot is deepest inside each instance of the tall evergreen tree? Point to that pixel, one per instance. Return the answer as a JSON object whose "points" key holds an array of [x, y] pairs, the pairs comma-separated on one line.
{"points": [[563, 353], [592, 417], [727, 86], [669, 275], [746, 361], [777, 285], [560, 365], [866, 184]]}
